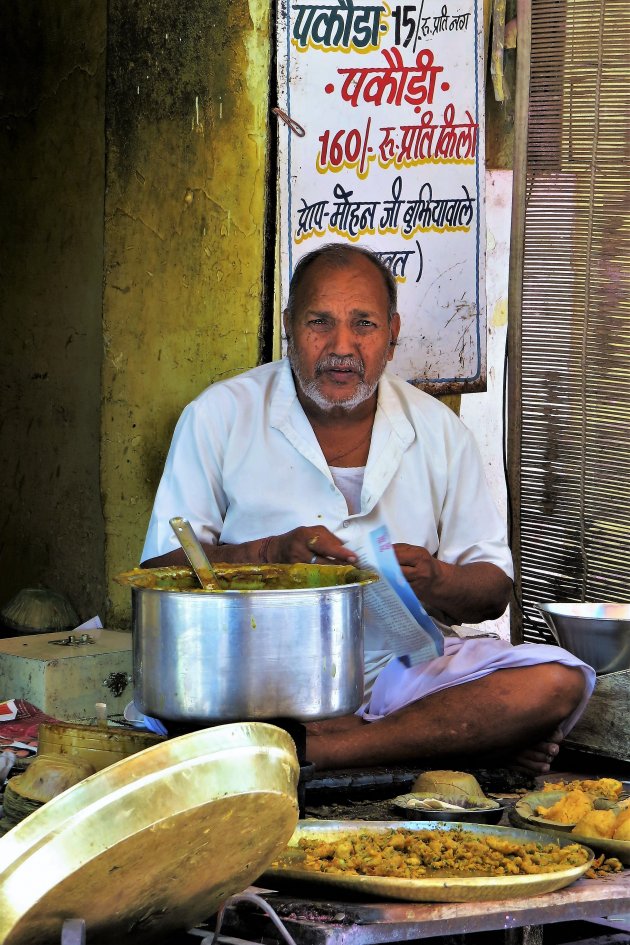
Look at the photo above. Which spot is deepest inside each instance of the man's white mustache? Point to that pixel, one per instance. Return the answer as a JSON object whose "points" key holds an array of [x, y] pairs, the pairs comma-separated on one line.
{"points": [[332, 363]]}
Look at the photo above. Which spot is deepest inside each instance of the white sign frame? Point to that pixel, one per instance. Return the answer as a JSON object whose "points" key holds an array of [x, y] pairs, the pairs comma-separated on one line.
{"points": [[390, 99]]}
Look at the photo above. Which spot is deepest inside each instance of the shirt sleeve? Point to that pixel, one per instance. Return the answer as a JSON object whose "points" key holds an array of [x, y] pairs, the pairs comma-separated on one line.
{"points": [[470, 527], [191, 485]]}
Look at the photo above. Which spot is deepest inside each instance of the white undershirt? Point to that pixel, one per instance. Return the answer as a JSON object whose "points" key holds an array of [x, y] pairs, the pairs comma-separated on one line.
{"points": [[349, 481]]}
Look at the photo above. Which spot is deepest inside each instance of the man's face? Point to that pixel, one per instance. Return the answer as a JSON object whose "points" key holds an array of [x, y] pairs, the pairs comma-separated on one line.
{"points": [[339, 337]]}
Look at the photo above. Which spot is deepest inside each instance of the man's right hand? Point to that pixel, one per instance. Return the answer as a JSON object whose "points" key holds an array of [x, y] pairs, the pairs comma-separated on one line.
{"points": [[311, 544]]}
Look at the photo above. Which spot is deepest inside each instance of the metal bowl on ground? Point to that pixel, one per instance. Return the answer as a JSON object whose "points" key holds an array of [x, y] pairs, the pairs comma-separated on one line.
{"points": [[599, 634], [38, 610], [420, 806], [280, 642]]}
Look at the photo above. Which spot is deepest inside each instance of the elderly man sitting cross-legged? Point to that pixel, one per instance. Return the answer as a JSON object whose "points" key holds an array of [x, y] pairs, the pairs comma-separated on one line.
{"points": [[288, 461]]}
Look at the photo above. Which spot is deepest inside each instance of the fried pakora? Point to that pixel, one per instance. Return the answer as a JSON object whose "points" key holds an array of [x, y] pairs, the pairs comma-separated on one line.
{"points": [[597, 823], [569, 809], [582, 810], [604, 865], [609, 788]]}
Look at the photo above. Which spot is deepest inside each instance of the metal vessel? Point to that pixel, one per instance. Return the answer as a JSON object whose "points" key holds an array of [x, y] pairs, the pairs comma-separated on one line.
{"points": [[598, 633], [205, 656]]}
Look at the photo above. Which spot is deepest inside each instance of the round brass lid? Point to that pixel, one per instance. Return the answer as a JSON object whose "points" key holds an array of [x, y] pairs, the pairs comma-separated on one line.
{"points": [[154, 843]]}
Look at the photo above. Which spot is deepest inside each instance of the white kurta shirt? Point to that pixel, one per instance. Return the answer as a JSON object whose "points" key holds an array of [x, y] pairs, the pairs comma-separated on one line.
{"points": [[245, 463]]}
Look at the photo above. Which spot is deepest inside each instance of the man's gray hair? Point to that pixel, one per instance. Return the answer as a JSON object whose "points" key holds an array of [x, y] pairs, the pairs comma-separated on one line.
{"points": [[341, 255]]}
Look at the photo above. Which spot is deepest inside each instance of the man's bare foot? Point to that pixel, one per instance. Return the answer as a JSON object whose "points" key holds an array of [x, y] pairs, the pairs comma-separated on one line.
{"points": [[538, 758]]}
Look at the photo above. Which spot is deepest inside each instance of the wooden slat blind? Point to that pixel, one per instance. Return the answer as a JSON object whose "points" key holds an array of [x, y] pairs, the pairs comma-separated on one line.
{"points": [[575, 319]]}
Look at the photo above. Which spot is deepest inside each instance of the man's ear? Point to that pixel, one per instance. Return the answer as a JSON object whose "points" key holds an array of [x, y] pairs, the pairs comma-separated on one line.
{"points": [[394, 329], [286, 323]]}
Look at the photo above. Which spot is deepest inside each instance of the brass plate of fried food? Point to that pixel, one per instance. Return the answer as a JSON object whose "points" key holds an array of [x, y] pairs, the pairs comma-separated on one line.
{"points": [[564, 867], [524, 815]]}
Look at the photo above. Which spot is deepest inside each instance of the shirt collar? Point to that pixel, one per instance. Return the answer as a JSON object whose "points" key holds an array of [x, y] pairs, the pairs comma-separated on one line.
{"points": [[390, 409], [392, 433], [286, 414]]}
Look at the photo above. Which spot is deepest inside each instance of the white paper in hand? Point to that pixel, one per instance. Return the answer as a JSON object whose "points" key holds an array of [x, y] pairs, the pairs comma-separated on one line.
{"points": [[414, 636]]}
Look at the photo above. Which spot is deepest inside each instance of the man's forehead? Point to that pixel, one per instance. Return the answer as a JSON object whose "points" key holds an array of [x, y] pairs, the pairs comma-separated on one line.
{"points": [[359, 278]]}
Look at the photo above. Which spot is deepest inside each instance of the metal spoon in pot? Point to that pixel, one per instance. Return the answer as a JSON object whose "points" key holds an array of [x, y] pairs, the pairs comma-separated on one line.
{"points": [[206, 575]]}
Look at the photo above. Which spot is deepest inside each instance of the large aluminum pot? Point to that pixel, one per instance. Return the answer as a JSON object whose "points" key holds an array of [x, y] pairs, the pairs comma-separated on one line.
{"points": [[294, 651]]}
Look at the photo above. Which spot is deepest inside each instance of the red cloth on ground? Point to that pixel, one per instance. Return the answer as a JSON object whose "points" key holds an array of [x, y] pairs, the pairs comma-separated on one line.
{"points": [[23, 728]]}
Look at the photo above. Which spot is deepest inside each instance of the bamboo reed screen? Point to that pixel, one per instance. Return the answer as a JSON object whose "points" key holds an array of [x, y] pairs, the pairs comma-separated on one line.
{"points": [[574, 488]]}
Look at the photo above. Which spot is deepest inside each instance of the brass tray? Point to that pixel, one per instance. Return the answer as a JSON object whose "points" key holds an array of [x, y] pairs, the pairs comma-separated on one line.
{"points": [[449, 889], [154, 843], [523, 816]]}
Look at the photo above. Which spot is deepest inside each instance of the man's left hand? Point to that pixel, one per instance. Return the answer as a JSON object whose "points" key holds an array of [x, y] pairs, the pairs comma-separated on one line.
{"points": [[467, 593], [419, 567]]}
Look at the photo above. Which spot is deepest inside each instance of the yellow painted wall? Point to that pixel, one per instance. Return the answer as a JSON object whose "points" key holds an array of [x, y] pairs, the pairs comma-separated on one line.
{"points": [[187, 126], [132, 217]]}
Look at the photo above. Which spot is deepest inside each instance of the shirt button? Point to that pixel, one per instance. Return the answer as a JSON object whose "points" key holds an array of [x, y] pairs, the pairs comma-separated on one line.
{"points": [[346, 524]]}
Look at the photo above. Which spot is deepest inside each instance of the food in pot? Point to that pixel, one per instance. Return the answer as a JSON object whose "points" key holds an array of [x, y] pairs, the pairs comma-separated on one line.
{"points": [[250, 577], [203, 656], [408, 854]]}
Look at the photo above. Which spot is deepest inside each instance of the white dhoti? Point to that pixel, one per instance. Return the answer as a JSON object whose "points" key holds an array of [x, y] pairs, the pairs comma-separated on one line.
{"points": [[464, 660]]}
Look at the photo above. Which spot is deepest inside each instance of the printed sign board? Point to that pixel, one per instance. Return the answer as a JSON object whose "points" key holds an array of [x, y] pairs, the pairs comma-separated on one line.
{"points": [[386, 150]]}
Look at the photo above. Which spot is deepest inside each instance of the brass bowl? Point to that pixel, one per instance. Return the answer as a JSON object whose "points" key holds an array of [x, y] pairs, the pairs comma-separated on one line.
{"points": [[38, 610], [100, 747]]}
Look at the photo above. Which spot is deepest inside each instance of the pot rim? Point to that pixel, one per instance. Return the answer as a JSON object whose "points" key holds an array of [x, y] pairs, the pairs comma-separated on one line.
{"points": [[136, 578], [207, 592]]}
